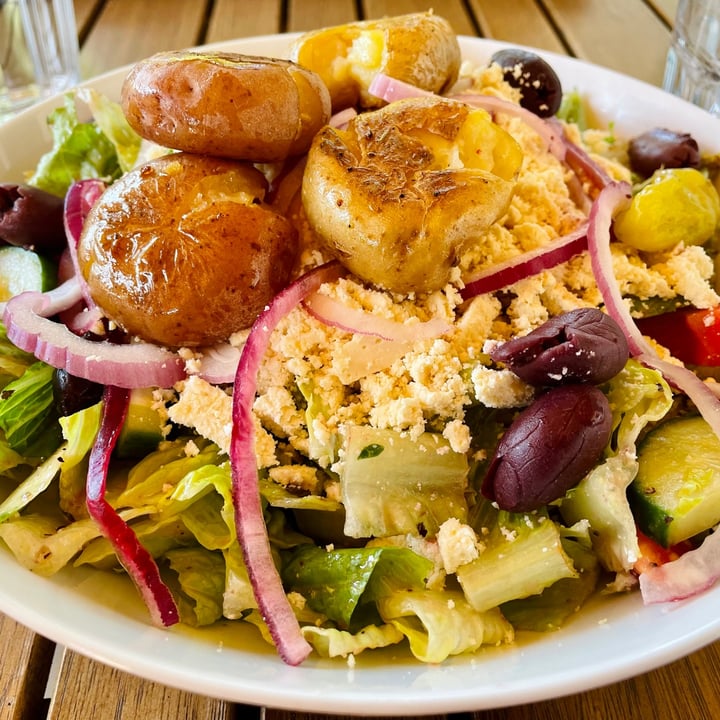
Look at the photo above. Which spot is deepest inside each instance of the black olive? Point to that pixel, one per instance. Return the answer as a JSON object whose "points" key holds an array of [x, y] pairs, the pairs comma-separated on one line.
{"points": [[72, 394], [662, 148], [583, 345], [550, 446], [540, 86], [31, 218]]}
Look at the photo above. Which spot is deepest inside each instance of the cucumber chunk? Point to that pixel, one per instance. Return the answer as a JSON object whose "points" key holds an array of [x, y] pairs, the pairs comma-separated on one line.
{"points": [[676, 493], [22, 270], [143, 428]]}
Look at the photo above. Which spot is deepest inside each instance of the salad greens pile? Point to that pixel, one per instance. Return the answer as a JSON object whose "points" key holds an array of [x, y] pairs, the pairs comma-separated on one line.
{"points": [[533, 571]]}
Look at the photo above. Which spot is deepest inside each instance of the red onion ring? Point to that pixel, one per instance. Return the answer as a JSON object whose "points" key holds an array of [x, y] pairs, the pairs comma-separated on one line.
{"points": [[389, 89], [219, 363], [530, 263], [555, 140], [135, 365], [251, 529], [138, 562], [335, 313], [342, 118], [688, 575], [79, 200]]}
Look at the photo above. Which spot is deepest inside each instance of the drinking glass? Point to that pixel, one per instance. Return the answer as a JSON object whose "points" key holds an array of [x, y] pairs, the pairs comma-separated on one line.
{"points": [[38, 51]]}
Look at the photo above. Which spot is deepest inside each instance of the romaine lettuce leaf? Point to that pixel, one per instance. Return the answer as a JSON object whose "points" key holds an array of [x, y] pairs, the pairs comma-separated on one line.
{"points": [[42, 544], [201, 578], [331, 642], [111, 120], [439, 623], [552, 607], [79, 431], [344, 584], [27, 412], [81, 150], [238, 596], [392, 484]]}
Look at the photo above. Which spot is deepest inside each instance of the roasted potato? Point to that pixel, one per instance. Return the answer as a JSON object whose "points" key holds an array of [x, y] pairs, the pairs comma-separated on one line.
{"points": [[398, 194], [226, 104], [183, 251], [420, 48]]}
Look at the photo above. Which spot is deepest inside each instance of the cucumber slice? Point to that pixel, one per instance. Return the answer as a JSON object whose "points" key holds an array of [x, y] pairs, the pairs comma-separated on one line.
{"points": [[22, 270], [676, 493], [143, 428]]}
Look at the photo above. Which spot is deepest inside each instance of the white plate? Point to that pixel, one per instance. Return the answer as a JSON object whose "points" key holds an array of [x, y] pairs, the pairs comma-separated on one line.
{"points": [[613, 639]]}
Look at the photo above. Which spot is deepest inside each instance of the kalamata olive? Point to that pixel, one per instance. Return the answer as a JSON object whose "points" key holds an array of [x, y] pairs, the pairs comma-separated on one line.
{"points": [[31, 218], [662, 148], [583, 345], [540, 86], [550, 446], [72, 394]]}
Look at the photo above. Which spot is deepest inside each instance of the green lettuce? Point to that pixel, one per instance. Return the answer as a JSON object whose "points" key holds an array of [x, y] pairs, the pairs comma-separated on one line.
{"points": [[81, 150], [345, 584], [201, 581], [41, 543], [331, 642], [392, 484], [110, 118], [638, 397], [13, 361], [438, 623], [27, 413], [79, 431], [554, 605]]}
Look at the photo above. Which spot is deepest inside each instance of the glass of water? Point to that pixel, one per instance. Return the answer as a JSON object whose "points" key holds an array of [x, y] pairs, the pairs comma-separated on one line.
{"points": [[38, 51], [693, 62]]}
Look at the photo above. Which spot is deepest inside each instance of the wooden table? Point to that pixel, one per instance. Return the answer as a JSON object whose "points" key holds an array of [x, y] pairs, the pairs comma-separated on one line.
{"points": [[36, 679]]}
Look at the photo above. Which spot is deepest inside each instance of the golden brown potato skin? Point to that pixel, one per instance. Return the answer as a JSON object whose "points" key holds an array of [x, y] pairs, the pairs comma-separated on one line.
{"points": [[386, 207], [226, 104], [419, 48], [183, 252]]}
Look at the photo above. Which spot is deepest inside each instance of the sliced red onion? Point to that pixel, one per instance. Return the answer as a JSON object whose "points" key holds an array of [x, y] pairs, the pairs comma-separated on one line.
{"points": [[138, 562], [690, 574], [219, 363], [135, 365], [335, 313], [578, 159], [251, 529], [555, 140], [701, 393], [609, 202], [79, 200], [530, 263], [389, 89], [342, 118]]}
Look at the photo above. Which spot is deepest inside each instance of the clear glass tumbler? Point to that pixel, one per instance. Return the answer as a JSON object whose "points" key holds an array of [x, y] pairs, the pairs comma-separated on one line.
{"points": [[38, 51]]}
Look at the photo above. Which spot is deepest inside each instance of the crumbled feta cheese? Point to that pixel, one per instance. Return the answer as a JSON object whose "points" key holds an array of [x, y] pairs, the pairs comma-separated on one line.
{"points": [[458, 544]]}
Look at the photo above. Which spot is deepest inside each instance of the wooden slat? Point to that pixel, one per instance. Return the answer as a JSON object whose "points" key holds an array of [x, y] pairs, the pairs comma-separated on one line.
{"points": [[85, 11], [452, 10], [517, 21], [88, 689], [304, 15], [232, 19], [621, 35], [287, 715], [666, 9], [24, 667], [126, 32]]}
